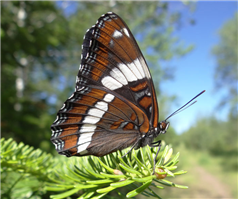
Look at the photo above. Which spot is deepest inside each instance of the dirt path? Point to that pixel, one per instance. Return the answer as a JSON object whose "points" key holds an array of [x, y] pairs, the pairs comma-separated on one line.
{"points": [[210, 186], [202, 185]]}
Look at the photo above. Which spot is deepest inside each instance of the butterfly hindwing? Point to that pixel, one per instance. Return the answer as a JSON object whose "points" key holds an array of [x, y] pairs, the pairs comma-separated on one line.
{"points": [[87, 118]]}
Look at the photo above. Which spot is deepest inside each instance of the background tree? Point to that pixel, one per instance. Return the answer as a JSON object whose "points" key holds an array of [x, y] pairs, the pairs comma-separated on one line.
{"points": [[217, 137], [33, 35], [226, 75]]}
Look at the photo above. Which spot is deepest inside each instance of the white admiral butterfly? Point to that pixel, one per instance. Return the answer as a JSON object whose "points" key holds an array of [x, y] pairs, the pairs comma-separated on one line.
{"points": [[114, 105]]}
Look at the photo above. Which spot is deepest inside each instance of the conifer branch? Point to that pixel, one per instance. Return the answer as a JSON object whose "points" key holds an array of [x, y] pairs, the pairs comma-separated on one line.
{"points": [[93, 177], [89, 176]]}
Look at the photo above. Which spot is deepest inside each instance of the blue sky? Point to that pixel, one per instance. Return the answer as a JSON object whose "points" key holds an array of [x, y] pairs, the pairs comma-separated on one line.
{"points": [[194, 72]]}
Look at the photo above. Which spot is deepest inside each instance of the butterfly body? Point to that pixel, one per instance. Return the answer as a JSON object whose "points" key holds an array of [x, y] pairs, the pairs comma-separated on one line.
{"points": [[114, 105]]}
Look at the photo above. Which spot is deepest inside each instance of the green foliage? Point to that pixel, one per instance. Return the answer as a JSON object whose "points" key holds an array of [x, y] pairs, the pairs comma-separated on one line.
{"points": [[92, 177], [219, 138], [24, 170]]}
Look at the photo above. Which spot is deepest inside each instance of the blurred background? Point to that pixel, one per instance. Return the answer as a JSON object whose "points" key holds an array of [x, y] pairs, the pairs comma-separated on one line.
{"points": [[188, 46]]}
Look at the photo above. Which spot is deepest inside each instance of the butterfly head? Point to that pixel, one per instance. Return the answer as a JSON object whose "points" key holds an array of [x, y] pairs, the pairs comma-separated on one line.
{"points": [[163, 126]]}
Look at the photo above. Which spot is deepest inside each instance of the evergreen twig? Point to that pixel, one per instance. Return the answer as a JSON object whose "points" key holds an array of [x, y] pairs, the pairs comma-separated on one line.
{"points": [[93, 177], [89, 176]]}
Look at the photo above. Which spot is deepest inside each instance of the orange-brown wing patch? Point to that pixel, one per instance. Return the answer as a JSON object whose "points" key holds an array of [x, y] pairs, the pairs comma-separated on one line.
{"points": [[145, 102], [96, 93], [133, 116], [139, 86], [116, 124], [129, 126], [69, 130]]}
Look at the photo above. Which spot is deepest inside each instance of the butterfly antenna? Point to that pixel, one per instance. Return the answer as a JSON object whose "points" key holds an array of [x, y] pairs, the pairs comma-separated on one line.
{"points": [[185, 106]]}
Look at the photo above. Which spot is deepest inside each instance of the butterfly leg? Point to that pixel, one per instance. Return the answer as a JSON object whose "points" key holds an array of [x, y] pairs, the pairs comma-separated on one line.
{"points": [[155, 144], [133, 146]]}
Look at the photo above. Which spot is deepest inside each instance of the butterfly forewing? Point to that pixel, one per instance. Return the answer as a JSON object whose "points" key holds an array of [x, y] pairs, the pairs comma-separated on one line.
{"points": [[114, 102]]}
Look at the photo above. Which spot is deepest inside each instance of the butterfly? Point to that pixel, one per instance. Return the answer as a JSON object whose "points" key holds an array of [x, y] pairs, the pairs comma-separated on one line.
{"points": [[114, 105]]}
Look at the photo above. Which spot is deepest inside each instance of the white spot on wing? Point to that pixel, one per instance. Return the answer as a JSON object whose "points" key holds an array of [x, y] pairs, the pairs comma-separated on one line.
{"points": [[117, 34], [127, 72], [111, 83], [117, 74], [144, 70], [87, 130], [108, 97], [135, 70], [84, 140], [140, 68], [126, 32], [102, 106], [95, 114], [92, 119]]}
